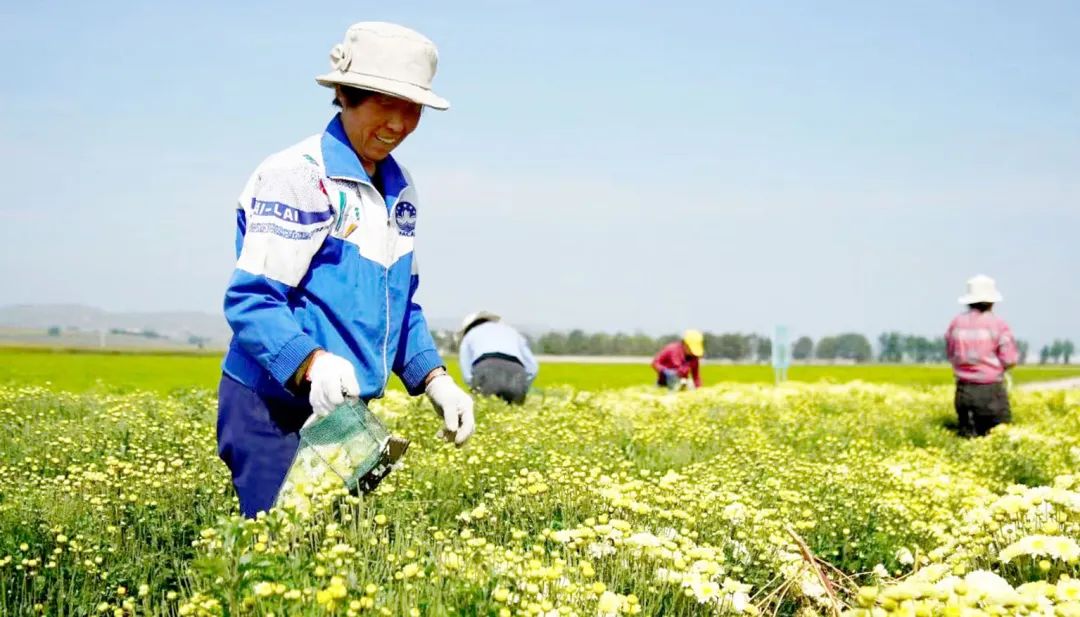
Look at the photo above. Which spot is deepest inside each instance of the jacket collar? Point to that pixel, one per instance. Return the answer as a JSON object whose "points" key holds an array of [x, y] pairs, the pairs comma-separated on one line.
{"points": [[342, 163]]}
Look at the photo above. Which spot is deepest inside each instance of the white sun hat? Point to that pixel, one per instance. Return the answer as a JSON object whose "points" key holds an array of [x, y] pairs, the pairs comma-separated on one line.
{"points": [[981, 288], [472, 318], [386, 58]]}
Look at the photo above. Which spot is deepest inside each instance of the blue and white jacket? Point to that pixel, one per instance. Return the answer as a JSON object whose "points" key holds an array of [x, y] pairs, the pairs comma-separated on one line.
{"points": [[325, 262]]}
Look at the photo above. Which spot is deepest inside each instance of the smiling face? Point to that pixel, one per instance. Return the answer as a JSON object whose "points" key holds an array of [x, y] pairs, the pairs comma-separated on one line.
{"points": [[377, 124]]}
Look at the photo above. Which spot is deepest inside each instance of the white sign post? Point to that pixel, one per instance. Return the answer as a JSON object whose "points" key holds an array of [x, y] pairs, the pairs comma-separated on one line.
{"points": [[781, 354]]}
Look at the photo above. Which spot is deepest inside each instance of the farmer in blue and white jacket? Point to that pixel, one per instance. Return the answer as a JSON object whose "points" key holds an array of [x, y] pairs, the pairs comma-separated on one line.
{"points": [[321, 302]]}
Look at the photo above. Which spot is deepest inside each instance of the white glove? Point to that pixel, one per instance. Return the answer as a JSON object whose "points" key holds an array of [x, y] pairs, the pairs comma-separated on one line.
{"points": [[455, 406], [332, 379]]}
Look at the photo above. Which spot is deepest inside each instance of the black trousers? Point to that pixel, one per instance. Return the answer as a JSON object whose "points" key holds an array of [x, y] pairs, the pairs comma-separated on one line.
{"points": [[980, 407], [501, 377]]}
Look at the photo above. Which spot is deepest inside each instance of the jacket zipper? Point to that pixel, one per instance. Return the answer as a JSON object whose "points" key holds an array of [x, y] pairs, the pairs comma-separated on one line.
{"points": [[386, 335], [391, 244], [392, 238]]}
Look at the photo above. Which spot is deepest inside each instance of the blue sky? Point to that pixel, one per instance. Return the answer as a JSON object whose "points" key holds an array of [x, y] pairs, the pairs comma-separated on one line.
{"points": [[827, 165]]}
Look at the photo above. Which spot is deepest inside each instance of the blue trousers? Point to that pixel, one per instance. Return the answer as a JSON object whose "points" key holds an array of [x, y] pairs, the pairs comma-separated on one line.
{"points": [[667, 378], [257, 438]]}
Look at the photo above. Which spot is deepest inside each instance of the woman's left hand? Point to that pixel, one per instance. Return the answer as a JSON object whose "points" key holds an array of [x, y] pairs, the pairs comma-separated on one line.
{"points": [[455, 406]]}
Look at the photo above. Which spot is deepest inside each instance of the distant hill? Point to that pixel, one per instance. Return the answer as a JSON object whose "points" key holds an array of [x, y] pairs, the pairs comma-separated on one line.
{"points": [[452, 325], [175, 325], [30, 320]]}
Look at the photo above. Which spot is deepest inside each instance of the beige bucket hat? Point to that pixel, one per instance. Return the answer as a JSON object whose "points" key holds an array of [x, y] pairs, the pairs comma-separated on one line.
{"points": [[981, 288], [386, 58], [472, 318]]}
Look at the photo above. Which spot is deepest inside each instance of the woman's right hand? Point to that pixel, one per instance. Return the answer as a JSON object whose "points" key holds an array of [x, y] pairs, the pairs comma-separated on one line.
{"points": [[332, 378]]}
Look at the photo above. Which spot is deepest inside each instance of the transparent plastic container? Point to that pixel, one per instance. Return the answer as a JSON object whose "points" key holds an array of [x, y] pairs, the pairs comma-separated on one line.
{"points": [[349, 447], [350, 442]]}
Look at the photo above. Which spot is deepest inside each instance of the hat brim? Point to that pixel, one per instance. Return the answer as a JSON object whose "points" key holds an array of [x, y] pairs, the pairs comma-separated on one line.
{"points": [[400, 89], [697, 350], [978, 298], [482, 317]]}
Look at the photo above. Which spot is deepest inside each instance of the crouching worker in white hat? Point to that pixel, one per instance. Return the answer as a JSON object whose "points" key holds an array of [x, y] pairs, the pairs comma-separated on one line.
{"points": [[981, 348], [321, 303], [495, 358]]}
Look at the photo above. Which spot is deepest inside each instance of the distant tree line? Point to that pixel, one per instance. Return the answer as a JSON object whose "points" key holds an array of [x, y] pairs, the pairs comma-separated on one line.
{"points": [[893, 347], [1058, 351], [733, 346]]}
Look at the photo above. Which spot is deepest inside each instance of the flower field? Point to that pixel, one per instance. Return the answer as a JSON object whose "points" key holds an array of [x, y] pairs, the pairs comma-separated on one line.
{"points": [[808, 499], [78, 370]]}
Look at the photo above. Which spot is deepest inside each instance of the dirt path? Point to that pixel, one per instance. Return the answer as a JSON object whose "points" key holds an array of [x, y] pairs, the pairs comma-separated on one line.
{"points": [[1057, 384]]}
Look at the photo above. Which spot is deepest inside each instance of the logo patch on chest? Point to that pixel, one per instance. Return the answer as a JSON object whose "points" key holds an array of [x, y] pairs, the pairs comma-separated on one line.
{"points": [[405, 217]]}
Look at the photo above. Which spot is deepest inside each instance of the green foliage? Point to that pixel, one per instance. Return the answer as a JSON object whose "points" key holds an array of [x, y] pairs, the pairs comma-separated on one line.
{"points": [[119, 372], [803, 348], [850, 346], [639, 500]]}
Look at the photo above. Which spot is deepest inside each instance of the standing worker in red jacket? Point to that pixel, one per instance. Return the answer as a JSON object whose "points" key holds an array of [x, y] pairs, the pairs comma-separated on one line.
{"points": [[679, 360], [981, 348]]}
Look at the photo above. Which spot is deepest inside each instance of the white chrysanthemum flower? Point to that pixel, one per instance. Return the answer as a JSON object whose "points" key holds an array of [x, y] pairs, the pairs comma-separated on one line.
{"points": [[705, 590], [987, 583], [600, 549], [1068, 590], [644, 539]]}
